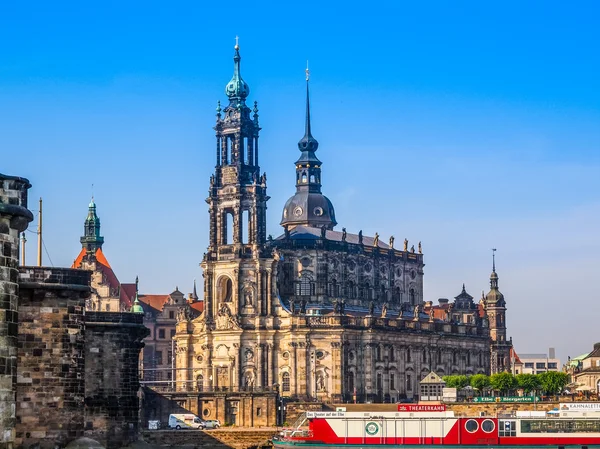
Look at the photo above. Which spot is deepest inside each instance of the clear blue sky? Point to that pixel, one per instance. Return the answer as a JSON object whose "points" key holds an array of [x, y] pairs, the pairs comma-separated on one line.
{"points": [[466, 125]]}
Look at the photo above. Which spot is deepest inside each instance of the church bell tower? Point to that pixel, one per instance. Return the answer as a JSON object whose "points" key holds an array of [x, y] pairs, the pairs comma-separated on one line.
{"points": [[237, 203]]}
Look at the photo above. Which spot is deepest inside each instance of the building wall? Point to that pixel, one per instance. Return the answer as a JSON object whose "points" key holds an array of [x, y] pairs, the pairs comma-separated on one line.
{"points": [[50, 384], [538, 363], [14, 218], [113, 341]]}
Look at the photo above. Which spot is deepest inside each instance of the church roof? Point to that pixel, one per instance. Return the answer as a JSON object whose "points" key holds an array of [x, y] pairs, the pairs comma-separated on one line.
{"points": [[310, 233], [197, 305]]}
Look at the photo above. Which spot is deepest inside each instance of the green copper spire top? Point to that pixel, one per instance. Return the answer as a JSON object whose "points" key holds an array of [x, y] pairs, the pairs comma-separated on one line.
{"points": [[136, 307], [237, 89], [91, 239]]}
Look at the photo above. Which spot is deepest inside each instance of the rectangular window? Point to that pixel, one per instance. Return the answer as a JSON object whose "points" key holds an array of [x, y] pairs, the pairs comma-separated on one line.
{"points": [[172, 333], [528, 364], [408, 382], [169, 357], [171, 314], [507, 428], [158, 357], [161, 333], [540, 365], [552, 365], [258, 411]]}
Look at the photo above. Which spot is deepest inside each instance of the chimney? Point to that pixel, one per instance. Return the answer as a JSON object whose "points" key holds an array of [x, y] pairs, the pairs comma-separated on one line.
{"points": [[443, 301]]}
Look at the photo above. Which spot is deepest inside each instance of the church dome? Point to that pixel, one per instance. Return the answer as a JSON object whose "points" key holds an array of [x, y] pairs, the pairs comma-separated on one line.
{"points": [[309, 209]]}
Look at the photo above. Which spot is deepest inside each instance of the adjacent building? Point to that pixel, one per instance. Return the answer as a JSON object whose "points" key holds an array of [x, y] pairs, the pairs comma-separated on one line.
{"points": [[587, 376], [108, 294], [540, 363]]}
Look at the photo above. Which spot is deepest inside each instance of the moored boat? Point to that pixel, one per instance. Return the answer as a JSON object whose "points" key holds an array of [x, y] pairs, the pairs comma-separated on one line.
{"points": [[432, 426]]}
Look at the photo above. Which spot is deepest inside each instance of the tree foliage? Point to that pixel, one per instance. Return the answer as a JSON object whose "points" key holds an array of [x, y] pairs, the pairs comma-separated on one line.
{"points": [[480, 382], [553, 382], [503, 382], [528, 382], [458, 381]]}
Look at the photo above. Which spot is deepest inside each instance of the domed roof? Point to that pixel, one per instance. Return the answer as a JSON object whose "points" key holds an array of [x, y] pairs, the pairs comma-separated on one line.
{"points": [[309, 209]]}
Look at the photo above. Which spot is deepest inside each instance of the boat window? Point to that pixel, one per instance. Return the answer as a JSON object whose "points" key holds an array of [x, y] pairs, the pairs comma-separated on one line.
{"points": [[560, 425], [488, 426], [471, 426], [507, 429]]}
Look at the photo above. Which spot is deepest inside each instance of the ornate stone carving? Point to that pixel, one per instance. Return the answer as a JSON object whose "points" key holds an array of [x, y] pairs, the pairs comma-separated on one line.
{"points": [[225, 320]]}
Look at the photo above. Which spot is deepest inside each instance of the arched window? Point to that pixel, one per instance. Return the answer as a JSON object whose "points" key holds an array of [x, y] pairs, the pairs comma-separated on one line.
{"points": [[408, 357], [392, 354], [383, 293], [455, 357], [304, 287], [225, 289], [379, 382], [304, 178], [424, 355], [412, 296], [439, 357], [379, 353], [285, 381], [312, 178], [200, 382], [368, 291]]}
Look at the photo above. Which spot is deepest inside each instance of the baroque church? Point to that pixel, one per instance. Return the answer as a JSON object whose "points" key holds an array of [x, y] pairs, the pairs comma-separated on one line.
{"points": [[318, 312]]}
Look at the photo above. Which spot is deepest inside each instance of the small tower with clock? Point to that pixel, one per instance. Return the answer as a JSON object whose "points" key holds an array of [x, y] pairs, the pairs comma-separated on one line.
{"points": [[495, 308]]}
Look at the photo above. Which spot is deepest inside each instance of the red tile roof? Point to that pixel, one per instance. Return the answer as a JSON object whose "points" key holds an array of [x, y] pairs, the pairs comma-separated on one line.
{"points": [[155, 301], [110, 276], [514, 356], [197, 305]]}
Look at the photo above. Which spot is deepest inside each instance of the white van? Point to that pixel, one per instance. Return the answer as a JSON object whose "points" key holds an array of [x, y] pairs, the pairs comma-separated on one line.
{"points": [[185, 421]]}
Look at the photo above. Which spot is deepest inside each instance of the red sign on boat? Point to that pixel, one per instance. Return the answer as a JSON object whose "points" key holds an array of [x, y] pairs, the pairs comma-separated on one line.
{"points": [[421, 407]]}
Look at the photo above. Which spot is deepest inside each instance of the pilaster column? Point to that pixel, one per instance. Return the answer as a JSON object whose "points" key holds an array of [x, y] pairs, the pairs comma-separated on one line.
{"points": [[260, 365], [294, 376], [337, 370], [268, 301], [302, 372]]}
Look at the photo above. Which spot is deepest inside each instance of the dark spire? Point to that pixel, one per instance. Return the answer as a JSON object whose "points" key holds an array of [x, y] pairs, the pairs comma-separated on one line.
{"points": [[308, 142], [308, 207], [91, 239], [494, 275], [194, 294]]}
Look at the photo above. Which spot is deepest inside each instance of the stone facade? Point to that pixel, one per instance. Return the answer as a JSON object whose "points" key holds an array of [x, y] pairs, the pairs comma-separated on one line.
{"points": [[113, 342], [14, 218], [315, 313], [50, 381]]}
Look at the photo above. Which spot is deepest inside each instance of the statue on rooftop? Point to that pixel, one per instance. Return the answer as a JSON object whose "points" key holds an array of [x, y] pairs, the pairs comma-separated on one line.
{"points": [[405, 244], [376, 240], [392, 242]]}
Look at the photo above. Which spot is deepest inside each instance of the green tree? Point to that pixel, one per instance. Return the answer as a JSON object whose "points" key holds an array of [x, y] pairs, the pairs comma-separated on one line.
{"points": [[528, 382], [553, 382], [459, 381], [503, 382], [480, 382]]}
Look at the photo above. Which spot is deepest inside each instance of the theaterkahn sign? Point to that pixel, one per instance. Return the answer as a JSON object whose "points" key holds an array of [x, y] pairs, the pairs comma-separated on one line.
{"points": [[421, 408]]}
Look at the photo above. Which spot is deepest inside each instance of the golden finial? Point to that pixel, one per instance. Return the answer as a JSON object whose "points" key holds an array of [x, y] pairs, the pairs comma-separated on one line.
{"points": [[237, 43], [307, 72]]}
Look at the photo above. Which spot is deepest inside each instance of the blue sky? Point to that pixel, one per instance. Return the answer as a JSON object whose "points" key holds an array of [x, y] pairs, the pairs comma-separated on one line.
{"points": [[466, 125]]}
